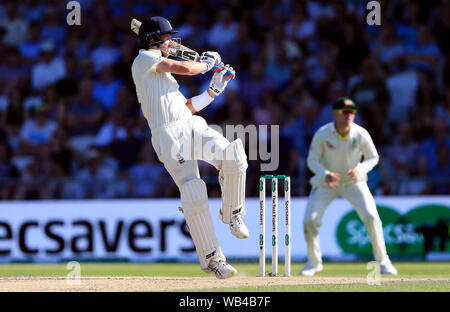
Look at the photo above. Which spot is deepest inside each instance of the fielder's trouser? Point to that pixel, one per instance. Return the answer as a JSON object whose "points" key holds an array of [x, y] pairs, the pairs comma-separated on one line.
{"points": [[359, 196]]}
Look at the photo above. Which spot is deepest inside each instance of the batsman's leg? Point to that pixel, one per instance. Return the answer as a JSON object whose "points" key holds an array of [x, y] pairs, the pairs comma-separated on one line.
{"points": [[234, 168], [194, 201], [231, 161]]}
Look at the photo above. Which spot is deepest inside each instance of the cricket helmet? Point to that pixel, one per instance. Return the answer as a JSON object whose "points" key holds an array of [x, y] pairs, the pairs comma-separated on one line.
{"points": [[151, 30]]}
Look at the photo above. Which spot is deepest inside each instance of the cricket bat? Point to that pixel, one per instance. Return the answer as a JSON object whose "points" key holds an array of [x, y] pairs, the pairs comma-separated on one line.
{"points": [[179, 50]]}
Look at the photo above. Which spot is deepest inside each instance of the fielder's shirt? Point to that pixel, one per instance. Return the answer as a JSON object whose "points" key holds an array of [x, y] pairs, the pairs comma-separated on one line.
{"points": [[329, 152], [161, 101]]}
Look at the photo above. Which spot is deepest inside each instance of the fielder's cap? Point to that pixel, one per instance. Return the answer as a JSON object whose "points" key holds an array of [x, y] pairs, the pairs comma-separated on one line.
{"points": [[344, 102]]}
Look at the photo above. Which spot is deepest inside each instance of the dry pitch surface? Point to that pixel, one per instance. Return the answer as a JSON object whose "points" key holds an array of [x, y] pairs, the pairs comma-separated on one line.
{"points": [[161, 283], [128, 277]]}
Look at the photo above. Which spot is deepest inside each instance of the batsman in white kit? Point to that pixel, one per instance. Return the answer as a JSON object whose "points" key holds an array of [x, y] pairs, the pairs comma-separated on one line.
{"points": [[174, 129], [335, 157]]}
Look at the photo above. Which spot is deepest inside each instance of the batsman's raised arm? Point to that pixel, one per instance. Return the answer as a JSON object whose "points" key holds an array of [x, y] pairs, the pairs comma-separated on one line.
{"points": [[207, 61], [181, 68]]}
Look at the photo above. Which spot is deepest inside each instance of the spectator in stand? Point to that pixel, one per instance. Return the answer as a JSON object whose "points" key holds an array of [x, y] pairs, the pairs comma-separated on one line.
{"points": [[7, 171], [372, 97], [300, 26], [32, 185], [37, 131], [403, 87], [84, 117], [105, 90], [107, 53], [429, 149], [15, 25], [49, 70], [13, 73], [122, 68], [425, 56], [439, 172], [3, 46], [31, 49], [223, 32], [441, 27], [403, 156], [257, 82], [407, 27], [75, 44], [14, 114], [34, 10], [353, 48], [443, 108], [146, 167], [53, 29], [388, 49], [278, 70], [96, 177], [247, 44], [127, 143]]}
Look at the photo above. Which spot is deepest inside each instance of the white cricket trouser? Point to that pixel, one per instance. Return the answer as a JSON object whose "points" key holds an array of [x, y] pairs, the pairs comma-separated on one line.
{"points": [[359, 196], [179, 146], [176, 138]]}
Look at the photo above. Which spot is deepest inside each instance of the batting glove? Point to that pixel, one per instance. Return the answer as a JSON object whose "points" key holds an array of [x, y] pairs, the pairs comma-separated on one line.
{"points": [[219, 81], [210, 58]]}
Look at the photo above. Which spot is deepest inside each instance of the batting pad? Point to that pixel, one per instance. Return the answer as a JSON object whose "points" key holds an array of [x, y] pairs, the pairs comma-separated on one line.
{"points": [[234, 168], [194, 202]]}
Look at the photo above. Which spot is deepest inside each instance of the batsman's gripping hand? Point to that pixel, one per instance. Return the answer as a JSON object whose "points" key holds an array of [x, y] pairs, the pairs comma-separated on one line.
{"points": [[210, 58], [219, 81]]}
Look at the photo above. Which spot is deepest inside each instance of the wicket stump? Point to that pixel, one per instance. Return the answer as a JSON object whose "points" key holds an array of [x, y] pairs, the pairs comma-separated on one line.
{"points": [[262, 224]]}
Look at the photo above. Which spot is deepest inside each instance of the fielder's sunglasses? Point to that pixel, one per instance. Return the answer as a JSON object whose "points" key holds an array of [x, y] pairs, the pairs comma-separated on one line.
{"points": [[345, 111]]}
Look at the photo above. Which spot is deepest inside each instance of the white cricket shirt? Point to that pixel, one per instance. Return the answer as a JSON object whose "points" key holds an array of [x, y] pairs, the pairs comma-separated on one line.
{"points": [[161, 101], [329, 152]]}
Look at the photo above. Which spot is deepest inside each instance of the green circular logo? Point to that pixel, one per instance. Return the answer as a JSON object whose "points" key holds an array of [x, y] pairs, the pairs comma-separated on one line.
{"points": [[402, 233]]}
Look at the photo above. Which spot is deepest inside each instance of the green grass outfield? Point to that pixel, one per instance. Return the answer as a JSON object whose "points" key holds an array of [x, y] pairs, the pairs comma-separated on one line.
{"points": [[407, 270]]}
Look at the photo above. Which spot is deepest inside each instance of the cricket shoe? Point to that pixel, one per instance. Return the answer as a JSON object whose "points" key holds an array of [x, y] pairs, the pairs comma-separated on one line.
{"points": [[310, 270], [388, 269], [221, 269], [237, 226]]}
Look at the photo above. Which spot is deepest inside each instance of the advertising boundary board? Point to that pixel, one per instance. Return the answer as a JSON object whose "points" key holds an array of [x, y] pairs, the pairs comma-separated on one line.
{"points": [[150, 230]]}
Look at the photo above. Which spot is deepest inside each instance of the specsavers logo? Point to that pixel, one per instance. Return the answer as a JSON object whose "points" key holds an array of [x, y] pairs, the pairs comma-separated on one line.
{"points": [[412, 234]]}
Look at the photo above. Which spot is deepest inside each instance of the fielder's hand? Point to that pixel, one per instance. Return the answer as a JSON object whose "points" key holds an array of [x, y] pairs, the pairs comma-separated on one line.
{"points": [[353, 174], [210, 58], [219, 81], [333, 179]]}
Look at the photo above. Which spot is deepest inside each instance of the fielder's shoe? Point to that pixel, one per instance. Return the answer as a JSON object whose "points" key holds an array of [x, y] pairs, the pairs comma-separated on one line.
{"points": [[221, 269], [388, 269], [237, 226], [310, 270]]}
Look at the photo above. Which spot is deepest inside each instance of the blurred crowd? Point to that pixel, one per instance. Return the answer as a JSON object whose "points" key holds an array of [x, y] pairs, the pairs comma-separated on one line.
{"points": [[71, 126]]}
